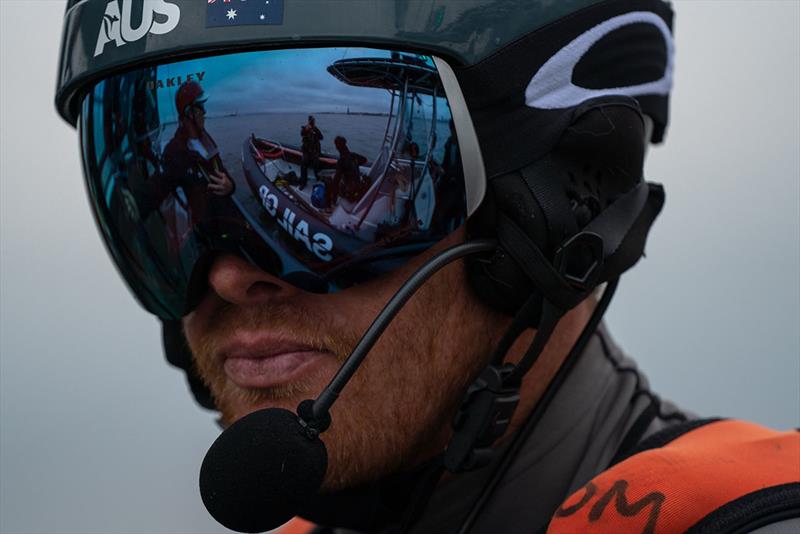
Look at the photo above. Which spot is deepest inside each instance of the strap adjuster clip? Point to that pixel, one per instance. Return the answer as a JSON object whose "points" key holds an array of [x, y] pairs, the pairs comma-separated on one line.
{"points": [[580, 260], [483, 417]]}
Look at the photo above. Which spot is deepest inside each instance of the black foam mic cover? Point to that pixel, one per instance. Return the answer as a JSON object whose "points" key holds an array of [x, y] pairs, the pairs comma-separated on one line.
{"points": [[261, 470]]}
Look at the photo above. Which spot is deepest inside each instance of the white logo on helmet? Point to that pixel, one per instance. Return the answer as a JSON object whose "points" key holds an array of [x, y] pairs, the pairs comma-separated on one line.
{"points": [[116, 25], [552, 88]]}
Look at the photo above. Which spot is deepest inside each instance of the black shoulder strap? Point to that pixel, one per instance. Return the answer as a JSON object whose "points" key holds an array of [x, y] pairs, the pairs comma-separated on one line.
{"points": [[761, 508]]}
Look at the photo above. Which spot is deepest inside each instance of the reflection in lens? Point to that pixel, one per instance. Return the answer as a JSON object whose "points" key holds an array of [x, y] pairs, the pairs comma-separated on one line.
{"points": [[325, 167]]}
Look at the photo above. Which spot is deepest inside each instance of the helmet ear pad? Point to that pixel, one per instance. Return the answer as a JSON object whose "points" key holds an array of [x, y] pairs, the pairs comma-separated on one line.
{"points": [[599, 157], [496, 278]]}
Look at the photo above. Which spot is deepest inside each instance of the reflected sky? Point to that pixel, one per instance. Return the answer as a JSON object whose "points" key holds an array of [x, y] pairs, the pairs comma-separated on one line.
{"points": [[275, 81]]}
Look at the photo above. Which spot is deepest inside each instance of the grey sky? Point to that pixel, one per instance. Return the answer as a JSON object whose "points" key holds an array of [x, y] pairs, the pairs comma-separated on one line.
{"points": [[277, 81], [99, 435]]}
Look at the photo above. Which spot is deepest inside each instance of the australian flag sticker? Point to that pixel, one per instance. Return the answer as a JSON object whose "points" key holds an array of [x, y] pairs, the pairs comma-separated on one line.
{"points": [[243, 12]]}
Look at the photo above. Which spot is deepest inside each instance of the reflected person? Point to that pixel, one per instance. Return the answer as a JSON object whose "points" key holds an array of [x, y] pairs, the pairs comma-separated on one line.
{"points": [[346, 181], [451, 173], [311, 137], [191, 161]]}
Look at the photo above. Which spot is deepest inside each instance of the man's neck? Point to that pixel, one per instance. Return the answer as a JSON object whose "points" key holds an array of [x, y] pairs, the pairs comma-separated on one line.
{"points": [[550, 360]]}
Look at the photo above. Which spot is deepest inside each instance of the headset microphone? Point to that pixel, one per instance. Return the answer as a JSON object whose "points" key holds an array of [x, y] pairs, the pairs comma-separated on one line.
{"points": [[260, 470]]}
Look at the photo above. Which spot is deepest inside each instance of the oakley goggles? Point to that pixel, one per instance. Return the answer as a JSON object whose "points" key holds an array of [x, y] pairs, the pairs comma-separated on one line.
{"points": [[324, 167]]}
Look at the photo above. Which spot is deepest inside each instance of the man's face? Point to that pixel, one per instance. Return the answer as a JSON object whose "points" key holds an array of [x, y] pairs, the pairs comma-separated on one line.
{"points": [[200, 116], [195, 119], [259, 342]]}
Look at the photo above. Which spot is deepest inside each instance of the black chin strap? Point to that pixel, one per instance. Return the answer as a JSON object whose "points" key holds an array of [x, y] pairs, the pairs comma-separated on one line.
{"points": [[521, 437], [491, 400]]}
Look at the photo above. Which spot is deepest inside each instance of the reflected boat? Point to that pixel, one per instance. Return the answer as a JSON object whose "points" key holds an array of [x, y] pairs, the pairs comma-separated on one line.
{"points": [[395, 199]]}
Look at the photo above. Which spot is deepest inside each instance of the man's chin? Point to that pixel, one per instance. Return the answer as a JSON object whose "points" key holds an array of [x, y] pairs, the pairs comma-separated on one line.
{"points": [[233, 405], [235, 402]]}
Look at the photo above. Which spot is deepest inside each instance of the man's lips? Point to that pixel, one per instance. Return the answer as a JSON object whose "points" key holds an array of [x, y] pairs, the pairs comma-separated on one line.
{"points": [[265, 362]]}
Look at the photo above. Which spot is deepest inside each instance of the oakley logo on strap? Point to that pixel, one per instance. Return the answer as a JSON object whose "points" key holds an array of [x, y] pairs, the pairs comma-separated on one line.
{"points": [[552, 88], [116, 25]]}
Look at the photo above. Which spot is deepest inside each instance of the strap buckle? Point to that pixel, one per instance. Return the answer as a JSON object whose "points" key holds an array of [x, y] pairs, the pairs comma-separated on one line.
{"points": [[484, 416], [580, 260]]}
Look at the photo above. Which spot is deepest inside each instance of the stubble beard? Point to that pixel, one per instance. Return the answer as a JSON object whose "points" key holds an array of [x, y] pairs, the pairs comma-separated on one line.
{"points": [[396, 409]]}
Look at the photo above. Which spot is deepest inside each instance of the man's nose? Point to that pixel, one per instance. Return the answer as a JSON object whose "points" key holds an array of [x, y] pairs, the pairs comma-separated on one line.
{"points": [[238, 282]]}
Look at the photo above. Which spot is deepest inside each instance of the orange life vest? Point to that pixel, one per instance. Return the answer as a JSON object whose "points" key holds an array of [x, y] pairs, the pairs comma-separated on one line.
{"points": [[695, 481], [709, 479], [298, 525]]}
